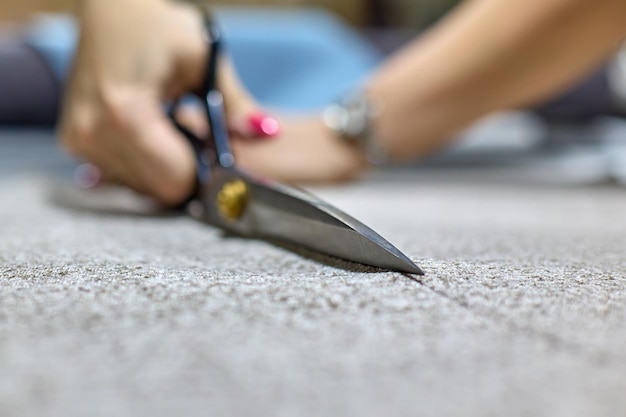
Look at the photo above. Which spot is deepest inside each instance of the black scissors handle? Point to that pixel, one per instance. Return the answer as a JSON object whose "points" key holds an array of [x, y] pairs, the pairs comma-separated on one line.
{"points": [[213, 99], [215, 149]]}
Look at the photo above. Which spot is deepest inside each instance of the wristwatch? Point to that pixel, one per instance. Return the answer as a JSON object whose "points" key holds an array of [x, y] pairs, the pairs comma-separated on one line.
{"points": [[352, 120], [617, 78]]}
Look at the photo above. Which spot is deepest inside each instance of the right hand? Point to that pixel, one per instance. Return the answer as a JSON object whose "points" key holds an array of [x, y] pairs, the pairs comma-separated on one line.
{"points": [[133, 55]]}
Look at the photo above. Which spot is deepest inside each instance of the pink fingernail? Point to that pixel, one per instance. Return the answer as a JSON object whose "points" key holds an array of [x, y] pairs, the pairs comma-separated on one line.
{"points": [[263, 126]]}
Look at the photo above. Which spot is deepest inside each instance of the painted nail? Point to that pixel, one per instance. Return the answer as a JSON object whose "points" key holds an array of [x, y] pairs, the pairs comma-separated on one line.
{"points": [[87, 176], [263, 126]]}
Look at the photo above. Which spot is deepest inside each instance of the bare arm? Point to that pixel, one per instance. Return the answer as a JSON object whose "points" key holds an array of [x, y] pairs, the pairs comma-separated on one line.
{"points": [[490, 55], [487, 55]]}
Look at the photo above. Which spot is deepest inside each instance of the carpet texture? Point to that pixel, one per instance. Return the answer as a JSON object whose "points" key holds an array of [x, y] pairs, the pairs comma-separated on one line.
{"points": [[522, 311]]}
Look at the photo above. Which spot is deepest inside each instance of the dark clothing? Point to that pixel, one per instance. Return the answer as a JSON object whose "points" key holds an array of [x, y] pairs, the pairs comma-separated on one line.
{"points": [[30, 95]]}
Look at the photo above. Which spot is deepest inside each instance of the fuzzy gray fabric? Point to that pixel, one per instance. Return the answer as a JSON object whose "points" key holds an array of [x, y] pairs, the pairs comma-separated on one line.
{"points": [[105, 311]]}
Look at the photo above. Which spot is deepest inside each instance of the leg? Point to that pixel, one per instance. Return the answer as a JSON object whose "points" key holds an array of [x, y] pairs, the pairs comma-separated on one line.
{"points": [[29, 93]]}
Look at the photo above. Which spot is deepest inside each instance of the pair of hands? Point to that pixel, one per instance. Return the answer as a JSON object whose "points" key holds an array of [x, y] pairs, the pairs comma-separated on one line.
{"points": [[134, 55]]}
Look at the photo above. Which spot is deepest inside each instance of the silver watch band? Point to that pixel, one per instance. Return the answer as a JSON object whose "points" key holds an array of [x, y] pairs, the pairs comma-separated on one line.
{"points": [[617, 77], [351, 118]]}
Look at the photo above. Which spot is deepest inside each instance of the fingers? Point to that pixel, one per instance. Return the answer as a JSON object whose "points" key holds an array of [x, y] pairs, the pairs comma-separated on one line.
{"points": [[254, 126], [193, 118], [87, 176], [162, 158], [136, 145], [132, 142], [306, 152], [88, 139]]}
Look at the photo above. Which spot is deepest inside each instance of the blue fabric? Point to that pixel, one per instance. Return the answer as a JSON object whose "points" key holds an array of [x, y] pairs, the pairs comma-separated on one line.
{"points": [[290, 59], [55, 38]]}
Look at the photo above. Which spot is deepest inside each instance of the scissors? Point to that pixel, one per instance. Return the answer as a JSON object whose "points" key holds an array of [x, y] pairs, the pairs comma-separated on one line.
{"points": [[244, 204]]}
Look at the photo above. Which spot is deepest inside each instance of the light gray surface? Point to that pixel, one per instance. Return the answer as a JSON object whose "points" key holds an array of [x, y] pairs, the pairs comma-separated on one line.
{"points": [[31, 151], [522, 311]]}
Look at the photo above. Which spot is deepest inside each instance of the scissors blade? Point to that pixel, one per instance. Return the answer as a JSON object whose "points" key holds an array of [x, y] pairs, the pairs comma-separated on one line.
{"points": [[295, 216]]}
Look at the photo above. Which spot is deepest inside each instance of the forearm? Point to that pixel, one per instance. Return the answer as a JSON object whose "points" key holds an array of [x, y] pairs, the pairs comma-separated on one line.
{"points": [[489, 55]]}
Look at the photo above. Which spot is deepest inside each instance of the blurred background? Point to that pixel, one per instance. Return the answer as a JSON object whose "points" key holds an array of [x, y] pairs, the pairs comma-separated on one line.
{"points": [[299, 55], [401, 13]]}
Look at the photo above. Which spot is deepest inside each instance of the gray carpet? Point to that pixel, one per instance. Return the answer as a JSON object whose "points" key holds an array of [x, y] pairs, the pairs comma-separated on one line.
{"points": [[522, 311]]}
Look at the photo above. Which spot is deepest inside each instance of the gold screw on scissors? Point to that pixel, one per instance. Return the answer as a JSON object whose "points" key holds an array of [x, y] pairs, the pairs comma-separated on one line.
{"points": [[233, 199]]}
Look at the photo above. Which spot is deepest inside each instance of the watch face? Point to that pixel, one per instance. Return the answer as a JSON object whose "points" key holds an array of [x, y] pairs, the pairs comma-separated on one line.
{"points": [[358, 114]]}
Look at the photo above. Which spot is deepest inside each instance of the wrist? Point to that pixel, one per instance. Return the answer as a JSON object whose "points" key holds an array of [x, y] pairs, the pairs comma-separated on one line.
{"points": [[353, 120], [345, 159]]}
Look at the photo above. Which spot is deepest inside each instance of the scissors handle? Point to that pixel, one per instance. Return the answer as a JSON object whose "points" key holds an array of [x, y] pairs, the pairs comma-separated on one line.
{"points": [[212, 98], [214, 149], [214, 106]]}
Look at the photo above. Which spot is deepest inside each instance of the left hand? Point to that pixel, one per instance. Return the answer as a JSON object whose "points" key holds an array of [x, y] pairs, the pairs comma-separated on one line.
{"points": [[305, 152]]}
